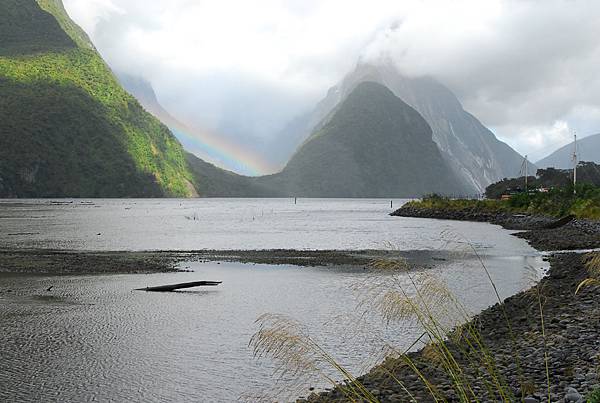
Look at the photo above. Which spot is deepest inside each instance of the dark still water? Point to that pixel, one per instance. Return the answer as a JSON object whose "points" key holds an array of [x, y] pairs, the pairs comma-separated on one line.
{"points": [[92, 338]]}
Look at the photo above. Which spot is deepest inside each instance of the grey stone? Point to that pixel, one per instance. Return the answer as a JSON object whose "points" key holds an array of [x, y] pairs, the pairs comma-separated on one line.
{"points": [[573, 396]]}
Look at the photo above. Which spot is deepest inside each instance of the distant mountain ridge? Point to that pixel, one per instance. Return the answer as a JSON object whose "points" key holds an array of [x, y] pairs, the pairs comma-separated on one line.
{"points": [[354, 155], [588, 149], [472, 150], [67, 128], [372, 145]]}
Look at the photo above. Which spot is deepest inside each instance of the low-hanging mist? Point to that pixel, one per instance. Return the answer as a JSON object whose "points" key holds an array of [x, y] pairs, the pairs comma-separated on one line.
{"points": [[526, 69]]}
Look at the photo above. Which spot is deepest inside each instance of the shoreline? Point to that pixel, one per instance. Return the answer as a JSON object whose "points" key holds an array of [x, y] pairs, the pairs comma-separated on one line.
{"points": [[575, 235], [571, 326]]}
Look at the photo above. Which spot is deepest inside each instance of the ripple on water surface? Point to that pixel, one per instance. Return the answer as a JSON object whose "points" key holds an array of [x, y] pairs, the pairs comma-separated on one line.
{"points": [[93, 337]]}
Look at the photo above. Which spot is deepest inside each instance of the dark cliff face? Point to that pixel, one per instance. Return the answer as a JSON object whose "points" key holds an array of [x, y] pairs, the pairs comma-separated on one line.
{"points": [[67, 128], [372, 145], [472, 151]]}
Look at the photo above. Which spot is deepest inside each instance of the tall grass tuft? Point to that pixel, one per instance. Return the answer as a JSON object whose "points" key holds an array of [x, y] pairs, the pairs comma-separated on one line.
{"points": [[453, 347], [301, 358]]}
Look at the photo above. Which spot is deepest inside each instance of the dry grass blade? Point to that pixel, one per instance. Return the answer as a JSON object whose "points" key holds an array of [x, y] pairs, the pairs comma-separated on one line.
{"points": [[592, 265], [588, 282], [300, 358]]}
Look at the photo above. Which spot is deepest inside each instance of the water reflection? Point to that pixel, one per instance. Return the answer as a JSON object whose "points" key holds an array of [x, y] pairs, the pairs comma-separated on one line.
{"points": [[93, 338]]}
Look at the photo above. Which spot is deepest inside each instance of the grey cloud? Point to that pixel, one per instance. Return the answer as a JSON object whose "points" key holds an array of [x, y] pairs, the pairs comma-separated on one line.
{"points": [[534, 65]]}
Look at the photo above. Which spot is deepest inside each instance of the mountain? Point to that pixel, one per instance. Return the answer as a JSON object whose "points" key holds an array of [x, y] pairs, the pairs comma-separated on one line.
{"points": [[212, 181], [142, 90], [67, 127], [473, 152], [372, 145], [588, 149], [209, 180]]}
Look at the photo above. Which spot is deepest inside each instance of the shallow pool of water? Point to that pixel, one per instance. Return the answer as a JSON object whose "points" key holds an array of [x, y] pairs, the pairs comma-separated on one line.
{"points": [[92, 338]]}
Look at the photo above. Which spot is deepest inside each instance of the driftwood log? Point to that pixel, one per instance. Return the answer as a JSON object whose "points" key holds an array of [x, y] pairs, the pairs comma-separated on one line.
{"points": [[173, 287], [560, 222]]}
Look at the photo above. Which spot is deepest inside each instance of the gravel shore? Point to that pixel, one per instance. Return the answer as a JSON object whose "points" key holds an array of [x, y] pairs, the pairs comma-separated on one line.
{"points": [[572, 326]]}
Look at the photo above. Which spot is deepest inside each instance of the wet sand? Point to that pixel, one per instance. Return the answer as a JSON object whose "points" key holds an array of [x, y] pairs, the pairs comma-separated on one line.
{"points": [[60, 262]]}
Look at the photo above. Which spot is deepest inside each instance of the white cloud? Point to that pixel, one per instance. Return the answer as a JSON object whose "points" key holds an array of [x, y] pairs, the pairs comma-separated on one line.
{"points": [[541, 140], [525, 68], [89, 13]]}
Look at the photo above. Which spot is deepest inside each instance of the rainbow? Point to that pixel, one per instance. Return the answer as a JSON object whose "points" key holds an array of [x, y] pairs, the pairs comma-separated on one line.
{"points": [[217, 150]]}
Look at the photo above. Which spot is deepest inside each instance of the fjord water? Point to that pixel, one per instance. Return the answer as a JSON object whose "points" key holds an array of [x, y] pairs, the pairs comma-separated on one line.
{"points": [[227, 224], [94, 338]]}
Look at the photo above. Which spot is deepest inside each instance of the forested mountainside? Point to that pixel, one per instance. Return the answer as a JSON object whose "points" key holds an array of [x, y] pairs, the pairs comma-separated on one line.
{"points": [[373, 145], [67, 127]]}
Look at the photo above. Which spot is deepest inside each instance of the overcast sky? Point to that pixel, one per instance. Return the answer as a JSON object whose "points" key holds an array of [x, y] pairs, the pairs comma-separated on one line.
{"points": [[529, 70]]}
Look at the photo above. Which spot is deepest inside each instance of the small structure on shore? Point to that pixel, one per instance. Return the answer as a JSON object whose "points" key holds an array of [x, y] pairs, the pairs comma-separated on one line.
{"points": [[173, 287]]}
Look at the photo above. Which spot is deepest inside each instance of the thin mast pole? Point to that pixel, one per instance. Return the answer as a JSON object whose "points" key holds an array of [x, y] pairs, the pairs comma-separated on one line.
{"points": [[526, 174], [574, 162]]}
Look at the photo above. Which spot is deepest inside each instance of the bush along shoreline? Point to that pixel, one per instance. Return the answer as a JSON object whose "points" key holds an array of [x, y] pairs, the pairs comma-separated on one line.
{"points": [[540, 345], [578, 233]]}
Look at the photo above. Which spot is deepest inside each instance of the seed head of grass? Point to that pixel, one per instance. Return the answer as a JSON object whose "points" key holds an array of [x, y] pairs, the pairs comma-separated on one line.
{"points": [[591, 262], [287, 343]]}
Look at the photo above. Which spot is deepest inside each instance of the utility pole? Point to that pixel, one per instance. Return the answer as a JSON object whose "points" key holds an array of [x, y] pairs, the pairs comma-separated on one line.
{"points": [[574, 161], [526, 173]]}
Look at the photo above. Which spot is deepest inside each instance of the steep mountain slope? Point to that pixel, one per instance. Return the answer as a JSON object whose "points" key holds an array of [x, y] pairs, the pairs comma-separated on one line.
{"points": [[142, 91], [212, 181], [469, 147], [209, 180], [372, 145], [67, 128], [588, 149]]}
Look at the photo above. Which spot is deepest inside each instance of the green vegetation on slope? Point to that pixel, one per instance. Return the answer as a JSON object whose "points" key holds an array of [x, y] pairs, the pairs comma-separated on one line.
{"points": [[67, 128], [56, 9], [25, 28], [212, 181], [557, 202]]}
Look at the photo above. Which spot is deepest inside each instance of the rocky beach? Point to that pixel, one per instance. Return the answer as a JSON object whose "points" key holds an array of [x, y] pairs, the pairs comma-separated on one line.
{"points": [[568, 342]]}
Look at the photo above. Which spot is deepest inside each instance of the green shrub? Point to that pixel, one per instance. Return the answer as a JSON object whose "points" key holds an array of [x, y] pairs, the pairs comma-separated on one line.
{"points": [[594, 396], [558, 202]]}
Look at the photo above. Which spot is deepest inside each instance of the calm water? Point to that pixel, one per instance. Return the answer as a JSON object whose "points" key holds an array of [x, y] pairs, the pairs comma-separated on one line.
{"points": [[234, 224], [92, 338]]}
